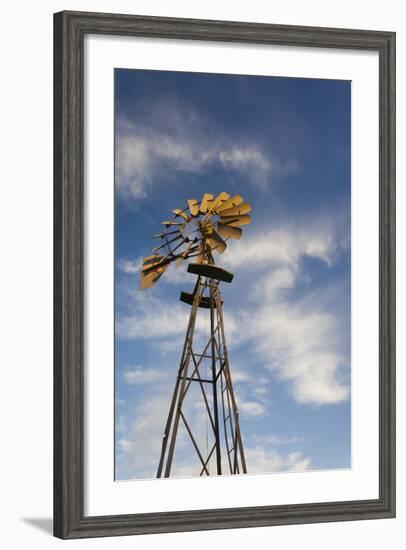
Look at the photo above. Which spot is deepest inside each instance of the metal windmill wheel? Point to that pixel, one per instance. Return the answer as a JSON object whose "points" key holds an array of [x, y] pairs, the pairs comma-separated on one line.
{"points": [[195, 232]]}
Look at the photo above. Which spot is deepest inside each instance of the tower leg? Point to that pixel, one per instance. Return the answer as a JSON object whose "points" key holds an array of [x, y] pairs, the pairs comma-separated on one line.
{"points": [[214, 378], [230, 410]]}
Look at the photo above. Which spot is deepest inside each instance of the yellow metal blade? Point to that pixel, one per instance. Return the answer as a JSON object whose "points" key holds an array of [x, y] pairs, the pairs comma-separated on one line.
{"points": [[180, 213], [150, 261], [223, 196], [235, 221], [150, 278], [233, 201], [205, 204], [216, 242], [151, 267], [193, 207], [229, 232], [145, 281], [239, 210]]}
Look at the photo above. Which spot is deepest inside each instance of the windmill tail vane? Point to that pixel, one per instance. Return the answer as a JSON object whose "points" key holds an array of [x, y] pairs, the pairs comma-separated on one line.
{"points": [[194, 233]]}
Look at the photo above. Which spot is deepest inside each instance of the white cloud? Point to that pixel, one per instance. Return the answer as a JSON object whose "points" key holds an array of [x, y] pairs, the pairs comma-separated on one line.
{"points": [[129, 266], [285, 246], [179, 141], [142, 376], [275, 439], [139, 447], [297, 338], [265, 460], [251, 408], [152, 318], [259, 460], [300, 345], [157, 319], [239, 375], [249, 160], [177, 275]]}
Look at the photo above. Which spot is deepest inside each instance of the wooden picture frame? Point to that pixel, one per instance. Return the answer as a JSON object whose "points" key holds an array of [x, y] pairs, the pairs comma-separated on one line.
{"points": [[70, 29]]}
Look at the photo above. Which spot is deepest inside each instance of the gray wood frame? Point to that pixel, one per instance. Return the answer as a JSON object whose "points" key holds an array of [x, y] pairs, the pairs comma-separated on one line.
{"points": [[69, 31]]}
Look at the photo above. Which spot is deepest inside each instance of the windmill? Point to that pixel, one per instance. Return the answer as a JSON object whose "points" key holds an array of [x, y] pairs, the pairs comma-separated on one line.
{"points": [[195, 233]]}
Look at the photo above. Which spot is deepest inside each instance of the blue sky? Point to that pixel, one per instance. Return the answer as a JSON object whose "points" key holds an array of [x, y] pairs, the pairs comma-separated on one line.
{"points": [[284, 145]]}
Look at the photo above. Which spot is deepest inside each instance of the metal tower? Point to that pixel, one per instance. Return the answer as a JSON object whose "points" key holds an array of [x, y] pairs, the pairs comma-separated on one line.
{"points": [[204, 365], [220, 404]]}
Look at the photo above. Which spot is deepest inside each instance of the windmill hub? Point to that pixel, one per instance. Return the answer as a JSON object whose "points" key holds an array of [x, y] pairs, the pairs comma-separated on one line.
{"points": [[206, 228]]}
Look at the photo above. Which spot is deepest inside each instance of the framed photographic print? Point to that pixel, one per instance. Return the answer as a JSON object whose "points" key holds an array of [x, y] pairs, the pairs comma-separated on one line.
{"points": [[224, 275]]}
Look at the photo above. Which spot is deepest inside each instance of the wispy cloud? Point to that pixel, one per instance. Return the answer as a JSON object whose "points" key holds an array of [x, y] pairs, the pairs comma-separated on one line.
{"points": [[298, 338], [259, 460], [275, 439], [131, 267], [265, 460], [148, 149], [153, 318], [142, 376], [301, 344], [251, 408], [138, 448], [288, 244]]}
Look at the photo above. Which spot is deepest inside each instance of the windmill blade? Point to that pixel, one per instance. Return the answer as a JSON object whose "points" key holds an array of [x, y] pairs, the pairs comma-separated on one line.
{"points": [[150, 261], [235, 221], [146, 281], [163, 261], [181, 213], [216, 242], [238, 210], [150, 277], [233, 201], [228, 232], [206, 200], [193, 207], [223, 196]]}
